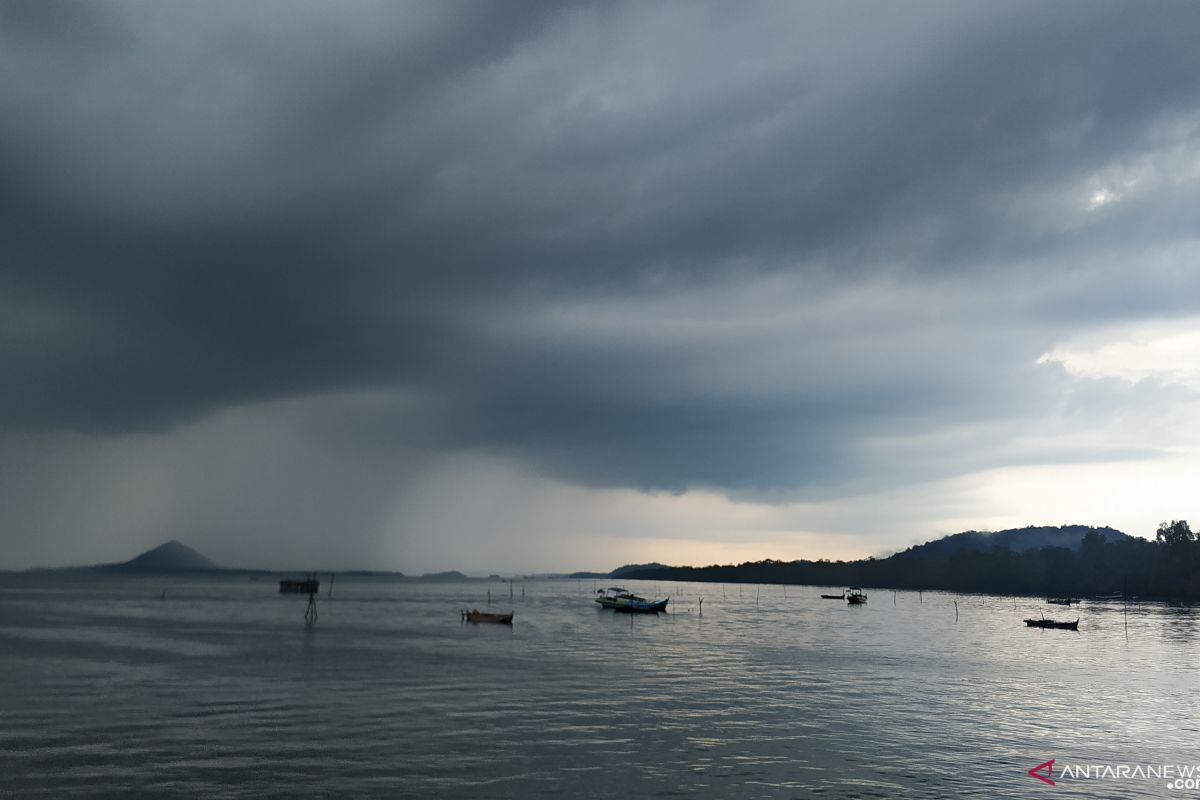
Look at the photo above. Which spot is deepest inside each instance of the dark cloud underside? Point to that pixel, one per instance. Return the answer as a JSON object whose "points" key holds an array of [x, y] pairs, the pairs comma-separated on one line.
{"points": [[205, 206]]}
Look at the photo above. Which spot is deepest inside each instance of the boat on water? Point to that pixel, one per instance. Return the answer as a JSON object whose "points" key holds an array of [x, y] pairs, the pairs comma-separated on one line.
{"points": [[1109, 596], [855, 596], [1059, 601], [640, 606], [1049, 623], [616, 596], [841, 596], [485, 616]]}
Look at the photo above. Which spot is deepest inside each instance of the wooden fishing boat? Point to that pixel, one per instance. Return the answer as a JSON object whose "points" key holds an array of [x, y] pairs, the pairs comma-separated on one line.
{"points": [[1059, 601], [640, 606], [485, 616], [855, 596], [841, 596], [1049, 623]]}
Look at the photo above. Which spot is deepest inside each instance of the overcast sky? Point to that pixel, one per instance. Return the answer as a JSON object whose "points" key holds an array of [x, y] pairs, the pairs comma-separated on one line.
{"points": [[522, 286]]}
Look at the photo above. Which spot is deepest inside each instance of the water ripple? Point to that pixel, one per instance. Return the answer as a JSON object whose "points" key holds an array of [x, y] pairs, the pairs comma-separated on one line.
{"points": [[221, 691]]}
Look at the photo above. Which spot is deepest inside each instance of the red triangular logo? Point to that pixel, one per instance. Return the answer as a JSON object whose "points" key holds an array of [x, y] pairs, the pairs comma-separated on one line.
{"points": [[1049, 767]]}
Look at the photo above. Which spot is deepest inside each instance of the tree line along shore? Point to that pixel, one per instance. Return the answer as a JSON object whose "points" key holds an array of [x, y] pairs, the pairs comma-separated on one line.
{"points": [[1167, 567]]}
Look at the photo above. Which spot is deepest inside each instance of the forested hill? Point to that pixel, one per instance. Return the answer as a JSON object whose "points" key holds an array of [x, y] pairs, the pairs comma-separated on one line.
{"points": [[1100, 563], [1016, 539]]}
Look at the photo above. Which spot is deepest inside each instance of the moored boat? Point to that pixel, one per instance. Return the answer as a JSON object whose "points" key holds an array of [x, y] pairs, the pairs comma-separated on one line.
{"points": [[640, 606], [841, 596], [485, 616], [1049, 623], [616, 597], [855, 596], [1059, 601]]}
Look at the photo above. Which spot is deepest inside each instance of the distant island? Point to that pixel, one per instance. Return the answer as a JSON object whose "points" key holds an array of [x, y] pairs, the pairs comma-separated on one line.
{"points": [[1070, 560], [172, 556], [448, 575], [619, 572], [175, 557], [1065, 560], [1019, 540]]}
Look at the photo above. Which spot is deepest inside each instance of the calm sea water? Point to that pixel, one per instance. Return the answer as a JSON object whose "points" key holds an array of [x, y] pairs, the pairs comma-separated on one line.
{"points": [[221, 690]]}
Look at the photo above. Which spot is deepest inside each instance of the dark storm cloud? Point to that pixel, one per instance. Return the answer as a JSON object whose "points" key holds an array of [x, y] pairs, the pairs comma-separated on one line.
{"points": [[206, 206]]}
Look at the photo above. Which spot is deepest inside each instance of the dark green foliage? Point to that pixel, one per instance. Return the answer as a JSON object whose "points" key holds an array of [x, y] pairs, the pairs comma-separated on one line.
{"points": [[1033, 537], [1167, 567], [1176, 532], [629, 569]]}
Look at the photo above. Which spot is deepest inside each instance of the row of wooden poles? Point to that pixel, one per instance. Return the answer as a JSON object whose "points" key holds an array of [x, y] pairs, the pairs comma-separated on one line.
{"points": [[758, 597]]}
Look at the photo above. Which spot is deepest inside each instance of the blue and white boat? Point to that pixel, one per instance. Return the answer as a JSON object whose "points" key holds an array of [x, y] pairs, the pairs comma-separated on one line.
{"points": [[616, 596], [640, 606]]}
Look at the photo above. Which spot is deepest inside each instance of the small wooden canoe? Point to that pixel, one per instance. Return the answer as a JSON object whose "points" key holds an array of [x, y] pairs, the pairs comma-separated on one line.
{"points": [[484, 616], [833, 597], [1049, 623]]}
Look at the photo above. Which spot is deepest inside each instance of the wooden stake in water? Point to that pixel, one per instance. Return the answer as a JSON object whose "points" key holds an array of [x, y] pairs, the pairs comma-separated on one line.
{"points": [[310, 613], [702, 606], [956, 611], [893, 597], [1125, 594], [758, 591]]}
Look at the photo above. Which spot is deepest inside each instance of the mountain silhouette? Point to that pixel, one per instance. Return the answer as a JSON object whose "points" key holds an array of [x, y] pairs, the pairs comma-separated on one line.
{"points": [[170, 557], [1033, 537]]}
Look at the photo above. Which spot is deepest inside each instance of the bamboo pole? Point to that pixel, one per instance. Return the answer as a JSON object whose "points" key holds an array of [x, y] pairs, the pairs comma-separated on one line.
{"points": [[1125, 595]]}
